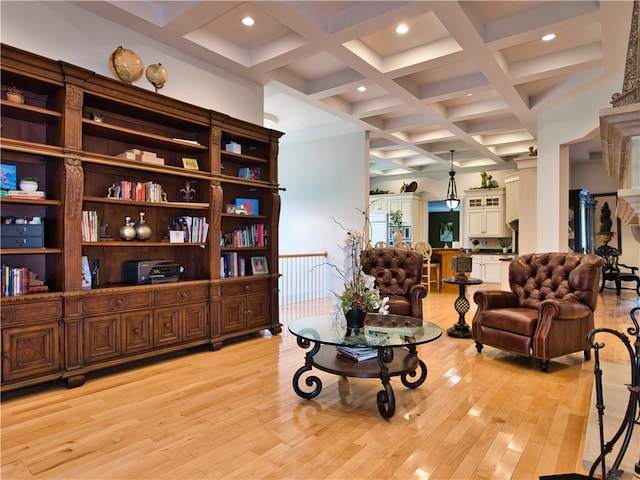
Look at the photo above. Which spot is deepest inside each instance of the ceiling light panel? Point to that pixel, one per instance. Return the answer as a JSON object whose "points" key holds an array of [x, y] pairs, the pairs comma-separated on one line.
{"points": [[227, 36], [387, 51], [570, 39], [230, 28], [424, 29]]}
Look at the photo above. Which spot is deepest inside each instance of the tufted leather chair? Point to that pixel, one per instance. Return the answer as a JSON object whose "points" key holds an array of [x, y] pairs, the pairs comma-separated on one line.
{"points": [[398, 275], [548, 311]]}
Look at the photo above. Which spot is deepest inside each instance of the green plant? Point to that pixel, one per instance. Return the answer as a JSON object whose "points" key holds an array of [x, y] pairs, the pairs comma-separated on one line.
{"points": [[30, 179], [605, 220], [504, 242], [395, 218]]}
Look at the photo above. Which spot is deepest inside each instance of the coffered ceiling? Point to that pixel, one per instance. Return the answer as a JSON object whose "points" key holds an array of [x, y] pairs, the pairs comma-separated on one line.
{"points": [[470, 76]]}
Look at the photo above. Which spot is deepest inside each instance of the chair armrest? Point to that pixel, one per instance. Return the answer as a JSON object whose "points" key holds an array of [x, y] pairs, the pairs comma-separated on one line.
{"points": [[562, 310], [417, 292], [486, 299], [633, 269]]}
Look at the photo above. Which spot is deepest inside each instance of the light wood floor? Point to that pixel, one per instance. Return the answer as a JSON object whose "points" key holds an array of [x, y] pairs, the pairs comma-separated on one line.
{"points": [[232, 414]]}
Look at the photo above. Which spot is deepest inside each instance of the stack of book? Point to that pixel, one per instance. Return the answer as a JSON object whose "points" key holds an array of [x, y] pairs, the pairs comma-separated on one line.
{"points": [[142, 156], [35, 195], [357, 354]]}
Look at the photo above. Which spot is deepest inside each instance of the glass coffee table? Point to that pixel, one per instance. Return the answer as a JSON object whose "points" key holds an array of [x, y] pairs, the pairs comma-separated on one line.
{"points": [[393, 337]]}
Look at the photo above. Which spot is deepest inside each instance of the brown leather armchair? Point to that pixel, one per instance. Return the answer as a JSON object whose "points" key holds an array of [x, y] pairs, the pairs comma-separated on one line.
{"points": [[548, 311], [398, 275]]}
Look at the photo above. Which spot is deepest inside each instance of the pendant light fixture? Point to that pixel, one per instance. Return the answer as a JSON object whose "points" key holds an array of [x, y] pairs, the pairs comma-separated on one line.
{"points": [[452, 200]]}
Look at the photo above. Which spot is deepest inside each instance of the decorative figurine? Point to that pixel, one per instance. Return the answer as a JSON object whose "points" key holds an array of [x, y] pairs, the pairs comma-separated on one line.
{"points": [[187, 192]]}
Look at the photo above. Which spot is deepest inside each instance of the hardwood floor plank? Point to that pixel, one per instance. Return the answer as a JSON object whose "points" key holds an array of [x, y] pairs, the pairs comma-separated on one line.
{"points": [[232, 414]]}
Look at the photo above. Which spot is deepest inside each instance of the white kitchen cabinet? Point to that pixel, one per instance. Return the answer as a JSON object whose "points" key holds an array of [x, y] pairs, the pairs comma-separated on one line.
{"points": [[486, 268], [410, 204], [485, 213]]}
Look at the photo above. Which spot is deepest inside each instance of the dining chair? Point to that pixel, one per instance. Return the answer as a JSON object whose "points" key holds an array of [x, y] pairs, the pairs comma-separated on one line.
{"points": [[402, 246], [429, 269]]}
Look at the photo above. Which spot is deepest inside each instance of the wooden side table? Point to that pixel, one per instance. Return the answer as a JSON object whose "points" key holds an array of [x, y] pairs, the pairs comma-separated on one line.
{"points": [[461, 329]]}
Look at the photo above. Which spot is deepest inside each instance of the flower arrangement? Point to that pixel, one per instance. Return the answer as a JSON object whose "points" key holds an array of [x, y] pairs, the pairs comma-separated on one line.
{"points": [[359, 288], [475, 243], [504, 242]]}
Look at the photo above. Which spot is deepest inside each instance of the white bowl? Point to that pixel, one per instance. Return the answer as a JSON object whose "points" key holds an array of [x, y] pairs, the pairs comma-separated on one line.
{"points": [[28, 185]]}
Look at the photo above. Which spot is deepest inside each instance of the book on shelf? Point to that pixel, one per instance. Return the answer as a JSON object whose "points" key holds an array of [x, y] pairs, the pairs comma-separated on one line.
{"points": [[195, 229], [150, 192], [232, 265], [357, 354], [15, 281], [250, 236], [250, 173], [90, 226]]}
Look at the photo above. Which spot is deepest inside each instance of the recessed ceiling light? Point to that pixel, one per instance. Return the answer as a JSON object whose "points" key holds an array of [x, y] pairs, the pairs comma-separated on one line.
{"points": [[402, 29], [548, 37], [362, 88], [469, 94], [248, 21]]}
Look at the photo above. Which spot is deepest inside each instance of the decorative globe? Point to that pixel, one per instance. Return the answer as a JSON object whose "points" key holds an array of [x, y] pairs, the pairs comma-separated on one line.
{"points": [[126, 65], [157, 75]]}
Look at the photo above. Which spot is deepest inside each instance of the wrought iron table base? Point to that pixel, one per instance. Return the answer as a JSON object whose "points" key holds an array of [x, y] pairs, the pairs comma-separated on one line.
{"points": [[461, 329], [412, 371]]}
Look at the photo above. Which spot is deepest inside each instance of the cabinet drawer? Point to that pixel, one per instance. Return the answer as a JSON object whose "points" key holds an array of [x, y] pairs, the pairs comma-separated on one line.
{"points": [[242, 288], [30, 312], [21, 236], [17, 230], [22, 242], [116, 303], [182, 294]]}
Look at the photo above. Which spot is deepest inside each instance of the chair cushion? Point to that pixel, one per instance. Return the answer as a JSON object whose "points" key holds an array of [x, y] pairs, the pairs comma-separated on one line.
{"points": [[522, 321]]}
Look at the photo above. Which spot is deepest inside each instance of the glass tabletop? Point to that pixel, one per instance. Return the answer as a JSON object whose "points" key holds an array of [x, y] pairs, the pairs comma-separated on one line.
{"points": [[379, 330]]}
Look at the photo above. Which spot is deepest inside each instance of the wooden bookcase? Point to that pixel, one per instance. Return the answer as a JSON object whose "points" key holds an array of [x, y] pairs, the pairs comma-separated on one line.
{"points": [[72, 133]]}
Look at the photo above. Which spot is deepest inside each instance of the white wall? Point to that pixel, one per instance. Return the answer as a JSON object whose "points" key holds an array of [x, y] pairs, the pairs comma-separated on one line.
{"points": [[559, 126], [324, 179], [63, 31]]}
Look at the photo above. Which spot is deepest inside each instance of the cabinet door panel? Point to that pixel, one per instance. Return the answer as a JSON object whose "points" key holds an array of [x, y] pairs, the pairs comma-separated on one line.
{"points": [[167, 326], [101, 337], [494, 222], [257, 311], [492, 272], [28, 351], [232, 314], [475, 222], [195, 321], [136, 332]]}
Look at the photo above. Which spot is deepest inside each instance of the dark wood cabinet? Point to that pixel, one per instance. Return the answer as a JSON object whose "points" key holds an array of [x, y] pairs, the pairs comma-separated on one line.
{"points": [[245, 306], [88, 139]]}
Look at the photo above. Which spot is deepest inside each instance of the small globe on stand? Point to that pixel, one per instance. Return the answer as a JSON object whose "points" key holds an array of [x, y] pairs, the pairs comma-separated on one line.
{"points": [[157, 75], [126, 65]]}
